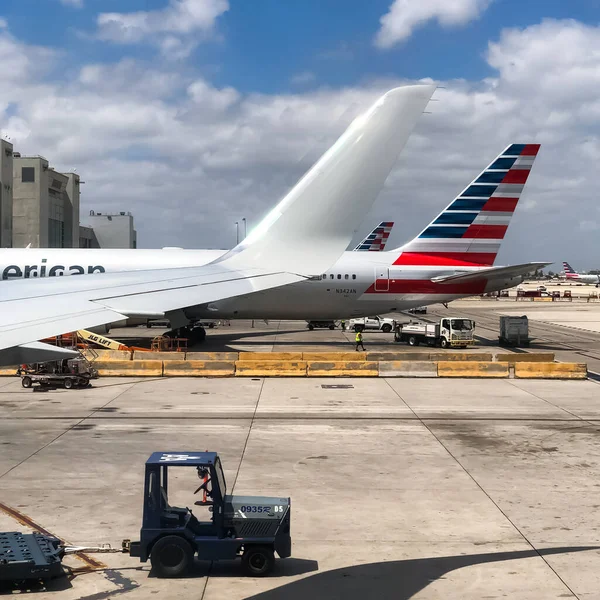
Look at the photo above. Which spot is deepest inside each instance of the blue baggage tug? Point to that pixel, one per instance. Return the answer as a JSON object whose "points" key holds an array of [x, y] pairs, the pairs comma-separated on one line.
{"points": [[251, 527]]}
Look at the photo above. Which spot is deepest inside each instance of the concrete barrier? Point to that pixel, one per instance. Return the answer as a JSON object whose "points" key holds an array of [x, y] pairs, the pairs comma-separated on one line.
{"points": [[461, 356], [395, 356], [514, 357], [212, 356], [105, 355], [270, 368], [198, 368], [408, 368], [550, 370], [141, 355], [343, 369], [333, 356], [129, 368], [267, 356], [453, 368]]}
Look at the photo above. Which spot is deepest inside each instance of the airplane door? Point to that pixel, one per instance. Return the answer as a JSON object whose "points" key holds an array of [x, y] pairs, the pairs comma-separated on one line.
{"points": [[382, 279]]}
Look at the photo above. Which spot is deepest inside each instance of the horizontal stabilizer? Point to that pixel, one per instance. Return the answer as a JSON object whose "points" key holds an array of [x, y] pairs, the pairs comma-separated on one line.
{"points": [[492, 273]]}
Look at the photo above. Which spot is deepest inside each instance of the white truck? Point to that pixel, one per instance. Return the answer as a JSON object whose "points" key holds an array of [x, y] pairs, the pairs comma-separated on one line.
{"points": [[378, 323], [450, 332], [514, 331]]}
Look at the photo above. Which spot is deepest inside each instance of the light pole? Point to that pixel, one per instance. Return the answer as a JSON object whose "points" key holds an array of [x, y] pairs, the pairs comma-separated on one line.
{"points": [[245, 227], [237, 233]]}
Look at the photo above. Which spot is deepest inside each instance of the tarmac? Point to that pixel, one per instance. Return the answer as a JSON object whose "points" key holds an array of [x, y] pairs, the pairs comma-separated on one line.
{"points": [[401, 488]]}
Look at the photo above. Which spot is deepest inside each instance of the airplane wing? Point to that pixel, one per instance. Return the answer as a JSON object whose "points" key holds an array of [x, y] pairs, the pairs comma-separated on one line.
{"points": [[491, 273], [377, 239], [302, 236]]}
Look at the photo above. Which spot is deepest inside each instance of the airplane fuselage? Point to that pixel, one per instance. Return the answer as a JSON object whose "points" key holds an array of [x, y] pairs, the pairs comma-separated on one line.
{"points": [[359, 284]]}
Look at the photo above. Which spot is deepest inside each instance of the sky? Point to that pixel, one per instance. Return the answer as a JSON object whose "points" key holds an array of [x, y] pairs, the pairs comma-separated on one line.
{"points": [[194, 114]]}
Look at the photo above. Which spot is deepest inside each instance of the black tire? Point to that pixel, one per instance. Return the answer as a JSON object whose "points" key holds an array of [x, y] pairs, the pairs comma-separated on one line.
{"points": [[171, 556], [386, 328], [311, 326], [444, 343], [412, 340], [258, 561], [68, 384], [211, 325], [332, 327], [26, 382]]}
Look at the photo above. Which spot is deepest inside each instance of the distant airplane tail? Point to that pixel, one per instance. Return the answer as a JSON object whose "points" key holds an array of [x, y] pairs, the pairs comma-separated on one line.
{"points": [[470, 230], [570, 273], [376, 240]]}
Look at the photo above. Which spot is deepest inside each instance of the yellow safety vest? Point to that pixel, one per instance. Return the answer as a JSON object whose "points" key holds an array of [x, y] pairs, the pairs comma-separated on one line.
{"points": [[358, 336]]}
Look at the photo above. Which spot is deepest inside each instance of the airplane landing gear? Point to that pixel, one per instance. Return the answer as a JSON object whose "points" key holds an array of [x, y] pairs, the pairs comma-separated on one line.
{"points": [[194, 334]]}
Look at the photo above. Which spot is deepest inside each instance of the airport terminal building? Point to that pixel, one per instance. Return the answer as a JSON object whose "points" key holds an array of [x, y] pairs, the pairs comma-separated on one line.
{"points": [[39, 208]]}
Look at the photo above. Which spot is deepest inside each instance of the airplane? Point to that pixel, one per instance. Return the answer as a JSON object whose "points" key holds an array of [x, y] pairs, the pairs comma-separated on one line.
{"points": [[572, 275], [377, 239], [301, 237], [451, 258]]}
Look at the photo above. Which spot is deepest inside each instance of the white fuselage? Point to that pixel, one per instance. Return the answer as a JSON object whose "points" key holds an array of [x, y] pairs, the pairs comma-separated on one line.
{"points": [[359, 284], [579, 278]]}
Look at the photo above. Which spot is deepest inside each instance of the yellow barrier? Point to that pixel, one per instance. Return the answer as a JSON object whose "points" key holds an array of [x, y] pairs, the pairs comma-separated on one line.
{"points": [[514, 357], [333, 356], [268, 356], [198, 368], [472, 369], [461, 356], [551, 370], [394, 356], [343, 369], [105, 355], [270, 368], [141, 355], [407, 368], [129, 368], [212, 356], [8, 371]]}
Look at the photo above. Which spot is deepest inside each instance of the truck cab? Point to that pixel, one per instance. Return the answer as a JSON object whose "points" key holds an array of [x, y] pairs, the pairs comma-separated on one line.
{"points": [[457, 332], [449, 332], [250, 527]]}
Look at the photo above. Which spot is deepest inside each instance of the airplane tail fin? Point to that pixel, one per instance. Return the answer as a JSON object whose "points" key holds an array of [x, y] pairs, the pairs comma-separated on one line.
{"points": [[470, 230], [569, 271], [376, 240]]}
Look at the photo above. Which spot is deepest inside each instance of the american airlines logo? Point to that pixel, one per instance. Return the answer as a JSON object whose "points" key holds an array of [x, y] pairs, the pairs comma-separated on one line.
{"points": [[46, 270]]}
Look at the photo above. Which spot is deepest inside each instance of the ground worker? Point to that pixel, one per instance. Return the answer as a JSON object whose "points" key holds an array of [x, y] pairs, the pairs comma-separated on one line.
{"points": [[343, 324], [359, 340]]}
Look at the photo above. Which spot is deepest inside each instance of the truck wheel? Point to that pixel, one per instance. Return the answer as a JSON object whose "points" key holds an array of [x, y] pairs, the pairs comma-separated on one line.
{"points": [[412, 340], [444, 343], [258, 561], [68, 384], [26, 382], [332, 327], [171, 556], [386, 328], [311, 326]]}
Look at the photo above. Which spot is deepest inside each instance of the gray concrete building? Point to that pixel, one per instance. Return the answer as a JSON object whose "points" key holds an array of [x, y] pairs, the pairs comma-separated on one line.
{"points": [[113, 230], [87, 237], [45, 205], [6, 193]]}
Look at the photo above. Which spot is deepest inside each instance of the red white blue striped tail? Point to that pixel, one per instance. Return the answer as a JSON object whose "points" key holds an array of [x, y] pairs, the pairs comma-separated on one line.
{"points": [[376, 240], [470, 230], [570, 272]]}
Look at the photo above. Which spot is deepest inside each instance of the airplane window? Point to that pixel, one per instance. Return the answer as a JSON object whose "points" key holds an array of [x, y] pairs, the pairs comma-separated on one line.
{"points": [[331, 276], [339, 276], [324, 276], [346, 276], [353, 276]]}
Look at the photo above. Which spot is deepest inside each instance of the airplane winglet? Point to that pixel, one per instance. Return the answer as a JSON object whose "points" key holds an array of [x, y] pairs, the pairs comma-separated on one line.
{"points": [[313, 225]]}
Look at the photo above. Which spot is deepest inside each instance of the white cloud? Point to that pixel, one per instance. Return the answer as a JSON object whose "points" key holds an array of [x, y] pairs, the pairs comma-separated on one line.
{"points": [[176, 29], [404, 16], [73, 3], [189, 159], [303, 78], [3, 23]]}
